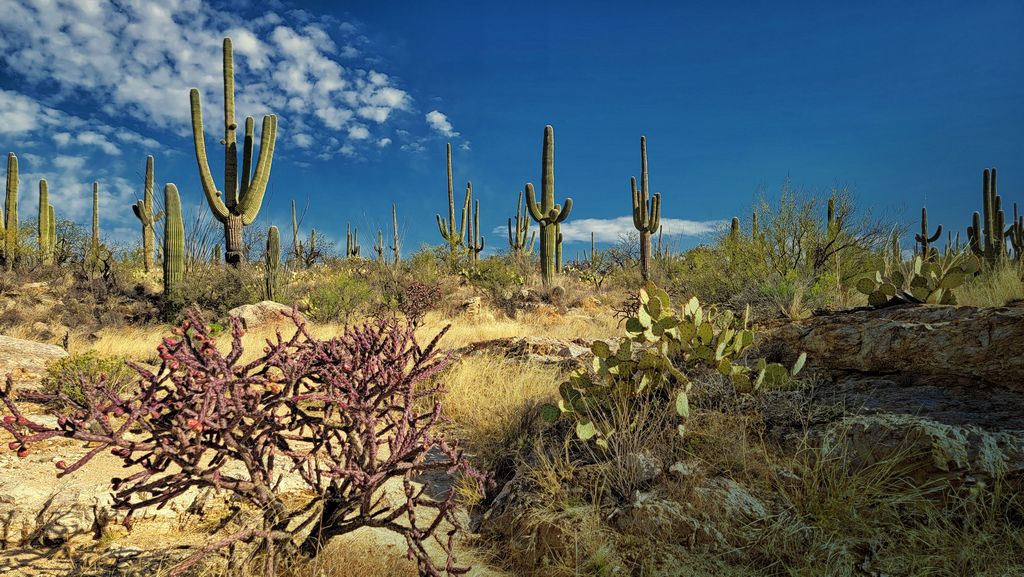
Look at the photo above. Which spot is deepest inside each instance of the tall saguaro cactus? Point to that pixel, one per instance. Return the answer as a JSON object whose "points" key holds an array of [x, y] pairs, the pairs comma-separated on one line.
{"points": [[986, 238], [10, 224], [174, 241], [517, 234], [453, 236], [646, 219], [546, 212], [923, 239], [394, 242], [143, 210], [52, 236], [476, 240], [241, 203], [351, 241], [43, 231], [272, 262], [95, 218]]}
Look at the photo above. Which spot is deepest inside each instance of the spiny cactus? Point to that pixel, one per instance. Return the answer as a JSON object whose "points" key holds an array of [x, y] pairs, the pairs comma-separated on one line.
{"points": [[646, 218], [174, 241], [547, 213], [394, 242], [240, 204], [453, 236], [45, 247], [95, 243], [476, 240], [143, 210], [351, 241], [986, 238], [272, 263], [517, 234], [10, 224], [923, 240]]}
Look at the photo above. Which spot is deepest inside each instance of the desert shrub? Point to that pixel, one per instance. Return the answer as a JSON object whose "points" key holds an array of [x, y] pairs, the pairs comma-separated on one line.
{"points": [[340, 415], [215, 289], [338, 298], [426, 264], [416, 299], [64, 377]]}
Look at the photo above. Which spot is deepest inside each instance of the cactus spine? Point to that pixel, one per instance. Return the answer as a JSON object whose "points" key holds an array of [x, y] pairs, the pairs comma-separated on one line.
{"points": [[451, 235], [476, 240], [10, 225], [272, 262], [394, 242], [174, 241], [986, 239], [547, 213], [645, 219], [45, 248], [351, 241], [517, 234], [95, 218], [143, 210], [240, 205], [923, 239]]}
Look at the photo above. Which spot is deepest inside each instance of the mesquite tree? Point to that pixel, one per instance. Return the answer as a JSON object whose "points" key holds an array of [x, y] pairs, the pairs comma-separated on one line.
{"points": [[344, 415]]}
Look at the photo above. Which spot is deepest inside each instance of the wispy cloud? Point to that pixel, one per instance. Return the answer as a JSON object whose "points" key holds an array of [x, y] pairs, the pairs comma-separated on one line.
{"points": [[612, 229], [439, 122]]}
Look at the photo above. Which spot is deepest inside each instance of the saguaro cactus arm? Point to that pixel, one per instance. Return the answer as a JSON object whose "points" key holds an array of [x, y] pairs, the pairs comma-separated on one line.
{"points": [[217, 206], [252, 197]]}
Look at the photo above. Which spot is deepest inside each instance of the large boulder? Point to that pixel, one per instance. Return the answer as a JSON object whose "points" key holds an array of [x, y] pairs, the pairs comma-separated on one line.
{"points": [[263, 314], [26, 361]]}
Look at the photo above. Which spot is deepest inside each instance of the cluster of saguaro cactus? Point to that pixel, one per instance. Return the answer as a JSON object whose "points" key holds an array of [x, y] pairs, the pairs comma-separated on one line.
{"points": [[47, 231], [452, 235], [518, 233], [475, 243], [923, 240], [351, 241], [240, 204], [272, 263], [10, 223], [143, 210], [646, 218], [546, 212], [174, 241], [987, 237]]}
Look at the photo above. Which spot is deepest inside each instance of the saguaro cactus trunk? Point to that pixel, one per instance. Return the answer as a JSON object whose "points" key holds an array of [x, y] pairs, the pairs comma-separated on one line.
{"points": [[240, 203], [546, 212], [452, 235], [174, 241], [143, 210], [10, 224]]}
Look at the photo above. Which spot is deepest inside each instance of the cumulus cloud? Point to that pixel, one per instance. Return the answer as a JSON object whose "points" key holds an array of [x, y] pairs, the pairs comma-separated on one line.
{"points": [[439, 122], [612, 229]]}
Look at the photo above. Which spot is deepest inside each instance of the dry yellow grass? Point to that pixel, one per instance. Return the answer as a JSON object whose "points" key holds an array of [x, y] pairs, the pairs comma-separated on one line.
{"points": [[995, 288]]}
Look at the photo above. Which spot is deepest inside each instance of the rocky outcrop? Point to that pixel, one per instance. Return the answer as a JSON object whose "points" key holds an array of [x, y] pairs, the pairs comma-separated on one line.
{"points": [[26, 360], [263, 314], [542, 350], [923, 343]]}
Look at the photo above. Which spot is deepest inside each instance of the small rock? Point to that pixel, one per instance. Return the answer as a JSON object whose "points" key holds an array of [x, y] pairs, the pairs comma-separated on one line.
{"points": [[263, 313]]}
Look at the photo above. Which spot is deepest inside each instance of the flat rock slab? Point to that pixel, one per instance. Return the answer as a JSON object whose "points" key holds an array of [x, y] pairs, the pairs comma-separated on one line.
{"points": [[26, 360]]}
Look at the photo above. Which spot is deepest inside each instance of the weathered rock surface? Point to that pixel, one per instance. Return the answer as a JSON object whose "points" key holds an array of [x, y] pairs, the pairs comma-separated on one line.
{"points": [[542, 350], [26, 360], [921, 342], [263, 314]]}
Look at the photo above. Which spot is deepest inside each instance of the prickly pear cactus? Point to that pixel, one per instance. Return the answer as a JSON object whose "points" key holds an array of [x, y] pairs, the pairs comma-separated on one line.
{"points": [[920, 281]]}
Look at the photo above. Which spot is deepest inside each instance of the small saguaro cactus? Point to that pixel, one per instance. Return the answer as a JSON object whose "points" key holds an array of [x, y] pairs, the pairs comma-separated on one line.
{"points": [[546, 212], [45, 248], [517, 234], [174, 241], [378, 247], [272, 263], [395, 247], [240, 204], [95, 245], [476, 240], [453, 236], [734, 229], [593, 249], [351, 241], [986, 236], [646, 219], [10, 223], [923, 239], [143, 210], [1015, 233]]}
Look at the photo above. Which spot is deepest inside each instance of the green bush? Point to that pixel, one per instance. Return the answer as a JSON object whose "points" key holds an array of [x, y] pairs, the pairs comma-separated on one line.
{"points": [[216, 289], [337, 299], [64, 376]]}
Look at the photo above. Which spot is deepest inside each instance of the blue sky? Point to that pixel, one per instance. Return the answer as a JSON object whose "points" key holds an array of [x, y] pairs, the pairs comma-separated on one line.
{"points": [[904, 103]]}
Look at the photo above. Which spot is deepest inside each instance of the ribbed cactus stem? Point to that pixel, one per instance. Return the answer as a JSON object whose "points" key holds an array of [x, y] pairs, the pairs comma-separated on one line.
{"points": [[144, 212], [240, 205], [11, 212], [518, 233], [95, 218], [646, 211], [272, 262], [546, 212], [394, 241], [453, 236], [51, 240], [558, 248], [924, 239], [174, 241], [476, 240], [593, 248], [378, 247], [45, 250]]}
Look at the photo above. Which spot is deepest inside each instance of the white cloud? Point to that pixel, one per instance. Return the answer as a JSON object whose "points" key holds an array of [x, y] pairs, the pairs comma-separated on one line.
{"points": [[384, 142], [302, 140], [358, 133], [439, 122], [612, 229]]}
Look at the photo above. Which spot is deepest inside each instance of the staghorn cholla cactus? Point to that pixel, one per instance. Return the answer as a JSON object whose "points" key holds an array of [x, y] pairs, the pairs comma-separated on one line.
{"points": [[174, 241], [476, 240], [347, 417], [351, 242], [923, 240], [10, 223], [546, 212], [46, 242], [241, 203], [517, 234], [272, 263], [646, 219], [454, 236], [143, 210], [986, 237]]}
